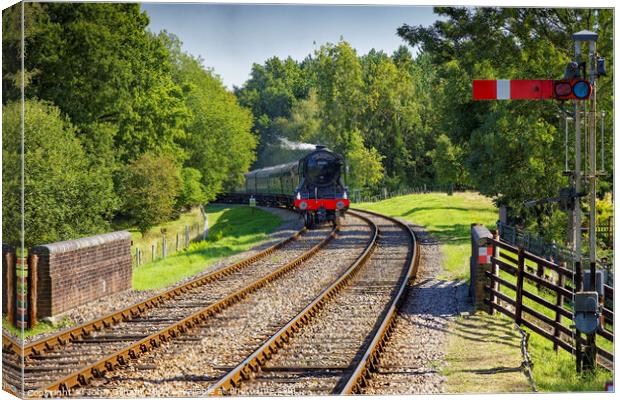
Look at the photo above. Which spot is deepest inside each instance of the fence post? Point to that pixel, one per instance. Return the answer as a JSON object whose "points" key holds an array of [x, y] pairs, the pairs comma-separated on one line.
{"points": [[32, 289], [559, 302], [186, 235], [163, 245], [519, 295], [495, 269], [540, 272], [10, 287], [152, 252], [177, 248]]}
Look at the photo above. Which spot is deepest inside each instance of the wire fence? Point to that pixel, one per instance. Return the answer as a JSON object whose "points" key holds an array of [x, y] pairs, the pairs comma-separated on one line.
{"points": [[357, 196], [166, 245]]}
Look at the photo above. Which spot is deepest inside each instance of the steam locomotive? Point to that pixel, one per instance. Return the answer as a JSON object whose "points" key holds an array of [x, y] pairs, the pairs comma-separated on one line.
{"points": [[314, 185]]}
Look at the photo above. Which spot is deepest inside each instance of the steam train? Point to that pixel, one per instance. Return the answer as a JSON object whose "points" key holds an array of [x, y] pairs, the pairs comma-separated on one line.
{"points": [[314, 186]]}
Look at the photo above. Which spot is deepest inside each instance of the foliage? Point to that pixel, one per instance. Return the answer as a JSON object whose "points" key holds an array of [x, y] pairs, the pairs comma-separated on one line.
{"points": [[218, 140], [447, 161], [122, 92], [511, 151], [151, 186], [365, 167], [270, 93], [66, 196], [99, 64], [192, 192]]}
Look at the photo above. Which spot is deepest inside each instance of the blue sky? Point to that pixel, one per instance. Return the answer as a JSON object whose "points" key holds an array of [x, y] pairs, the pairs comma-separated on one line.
{"points": [[230, 38]]}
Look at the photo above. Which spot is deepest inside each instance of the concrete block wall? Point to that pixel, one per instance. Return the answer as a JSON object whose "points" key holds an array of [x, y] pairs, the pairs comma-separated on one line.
{"points": [[74, 272]]}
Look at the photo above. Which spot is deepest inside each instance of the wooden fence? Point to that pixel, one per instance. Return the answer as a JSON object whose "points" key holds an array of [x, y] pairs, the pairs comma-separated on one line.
{"points": [[538, 294]]}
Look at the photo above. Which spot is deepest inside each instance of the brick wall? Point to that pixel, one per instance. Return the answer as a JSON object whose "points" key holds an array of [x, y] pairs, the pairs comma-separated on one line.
{"points": [[74, 272]]}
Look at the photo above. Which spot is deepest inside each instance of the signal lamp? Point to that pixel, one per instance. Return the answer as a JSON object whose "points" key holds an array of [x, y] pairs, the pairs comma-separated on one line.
{"points": [[581, 90], [578, 89]]}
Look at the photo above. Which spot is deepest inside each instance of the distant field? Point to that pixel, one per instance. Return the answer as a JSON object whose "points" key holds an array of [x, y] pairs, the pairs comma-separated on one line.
{"points": [[448, 218], [233, 229]]}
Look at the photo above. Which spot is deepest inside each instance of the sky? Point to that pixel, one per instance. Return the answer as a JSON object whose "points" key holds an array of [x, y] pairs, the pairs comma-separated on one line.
{"points": [[230, 38]]}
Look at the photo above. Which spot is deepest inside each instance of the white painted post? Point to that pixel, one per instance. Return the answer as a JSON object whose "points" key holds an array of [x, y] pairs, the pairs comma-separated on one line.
{"points": [[205, 231], [163, 246]]}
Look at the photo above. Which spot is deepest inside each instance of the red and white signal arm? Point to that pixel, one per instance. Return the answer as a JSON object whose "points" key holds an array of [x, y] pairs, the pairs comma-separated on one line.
{"points": [[531, 89]]}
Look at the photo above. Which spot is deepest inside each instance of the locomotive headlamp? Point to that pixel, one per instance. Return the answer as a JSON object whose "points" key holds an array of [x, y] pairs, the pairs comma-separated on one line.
{"points": [[303, 205], [298, 196]]}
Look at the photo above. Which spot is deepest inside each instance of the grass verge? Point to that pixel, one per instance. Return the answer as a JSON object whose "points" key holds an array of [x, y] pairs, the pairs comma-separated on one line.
{"points": [[556, 372], [484, 356], [447, 218], [40, 328], [233, 230]]}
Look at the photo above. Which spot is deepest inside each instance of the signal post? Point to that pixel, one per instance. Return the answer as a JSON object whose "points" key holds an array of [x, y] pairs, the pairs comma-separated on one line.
{"points": [[579, 88]]}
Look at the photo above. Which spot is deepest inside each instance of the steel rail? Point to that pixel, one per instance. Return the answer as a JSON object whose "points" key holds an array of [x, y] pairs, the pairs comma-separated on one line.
{"points": [[62, 386], [74, 333], [244, 370], [367, 363]]}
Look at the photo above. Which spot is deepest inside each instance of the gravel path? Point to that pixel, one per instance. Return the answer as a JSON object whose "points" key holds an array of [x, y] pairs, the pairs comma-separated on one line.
{"points": [[411, 362], [100, 307], [190, 365]]}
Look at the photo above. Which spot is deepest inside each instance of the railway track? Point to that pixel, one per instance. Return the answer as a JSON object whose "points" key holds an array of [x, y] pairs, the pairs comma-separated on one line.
{"points": [[331, 346], [312, 330], [73, 356], [188, 367]]}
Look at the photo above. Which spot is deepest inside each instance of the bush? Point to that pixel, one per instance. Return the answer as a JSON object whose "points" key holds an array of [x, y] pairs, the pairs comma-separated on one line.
{"points": [[151, 187], [65, 196]]}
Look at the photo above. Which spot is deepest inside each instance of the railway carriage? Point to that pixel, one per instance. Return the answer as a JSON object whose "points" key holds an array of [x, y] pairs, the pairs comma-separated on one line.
{"points": [[314, 186]]}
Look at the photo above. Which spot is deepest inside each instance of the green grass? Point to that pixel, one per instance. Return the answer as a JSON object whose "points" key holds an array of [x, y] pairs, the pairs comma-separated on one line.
{"points": [[232, 230], [41, 327], [174, 227], [447, 218], [484, 356], [556, 372]]}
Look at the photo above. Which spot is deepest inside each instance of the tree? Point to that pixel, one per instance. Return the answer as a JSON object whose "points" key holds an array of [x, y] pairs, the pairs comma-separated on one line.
{"points": [[365, 169], [271, 93], [65, 195], [511, 150], [151, 185], [99, 64], [192, 191], [218, 139], [447, 161]]}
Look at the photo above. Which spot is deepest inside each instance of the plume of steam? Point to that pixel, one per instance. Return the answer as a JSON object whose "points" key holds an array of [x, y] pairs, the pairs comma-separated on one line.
{"points": [[289, 144]]}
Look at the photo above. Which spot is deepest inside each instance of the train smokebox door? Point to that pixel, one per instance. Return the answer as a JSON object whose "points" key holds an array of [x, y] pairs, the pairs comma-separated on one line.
{"points": [[586, 312]]}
